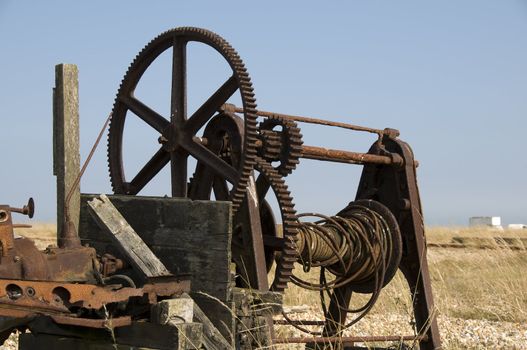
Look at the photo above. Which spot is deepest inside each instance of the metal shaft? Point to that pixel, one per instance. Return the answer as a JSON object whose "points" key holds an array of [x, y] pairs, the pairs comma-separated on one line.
{"points": [[310, 120], [332, 155], [340, 156], [348, 340]]}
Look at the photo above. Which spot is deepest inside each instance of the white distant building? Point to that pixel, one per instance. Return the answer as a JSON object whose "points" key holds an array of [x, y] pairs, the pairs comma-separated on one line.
{"points": [[516, 226], [491, 221]]}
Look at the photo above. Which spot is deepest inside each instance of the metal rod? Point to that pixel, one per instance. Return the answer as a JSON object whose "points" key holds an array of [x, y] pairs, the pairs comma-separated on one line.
{"points": [[332, 155], [311, 120], [335, 155], [350, 340], [85, 165], [300, 322], [70, 236], [480, 246]]}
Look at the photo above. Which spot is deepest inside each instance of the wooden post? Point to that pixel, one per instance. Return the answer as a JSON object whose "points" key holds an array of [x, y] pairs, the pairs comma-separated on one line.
{"points": [[66, 156]]}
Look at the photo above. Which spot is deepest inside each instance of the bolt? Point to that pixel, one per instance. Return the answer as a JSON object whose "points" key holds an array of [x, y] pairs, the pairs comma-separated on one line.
{"points": [[16, 258], [162, 139], [3, 216], [404, 204]]}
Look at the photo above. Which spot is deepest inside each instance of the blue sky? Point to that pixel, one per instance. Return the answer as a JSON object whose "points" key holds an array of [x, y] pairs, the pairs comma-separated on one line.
{"points": [[450, 75]]}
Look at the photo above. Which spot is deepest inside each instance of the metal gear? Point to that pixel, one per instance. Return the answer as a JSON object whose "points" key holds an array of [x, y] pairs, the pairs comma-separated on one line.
{"points": [[224, 138], [270, 178], [283, 145], [178, 135], [224, 135]]}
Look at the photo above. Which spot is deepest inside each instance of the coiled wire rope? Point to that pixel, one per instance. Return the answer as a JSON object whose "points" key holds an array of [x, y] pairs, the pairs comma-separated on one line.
{"points": [[359, 247]]}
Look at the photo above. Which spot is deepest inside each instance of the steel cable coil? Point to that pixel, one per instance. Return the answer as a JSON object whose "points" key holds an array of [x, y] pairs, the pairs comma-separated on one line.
{"points": [[359, 247]]}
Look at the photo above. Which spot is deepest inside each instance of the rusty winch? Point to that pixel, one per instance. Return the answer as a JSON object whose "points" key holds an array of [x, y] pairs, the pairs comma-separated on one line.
{"points": [[243, 155]]}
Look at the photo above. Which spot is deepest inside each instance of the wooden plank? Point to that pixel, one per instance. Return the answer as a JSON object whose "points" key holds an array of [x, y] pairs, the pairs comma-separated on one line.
{"points": [[250, 302], [139, 335], [173, 311], [181, 336], [66, 156], [212, 338], [127, 240], [29, 341], [221, 314]]}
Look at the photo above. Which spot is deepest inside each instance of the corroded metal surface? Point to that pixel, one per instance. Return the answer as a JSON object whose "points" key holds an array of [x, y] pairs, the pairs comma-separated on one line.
{"points": [[20, 258], [33, 297], [340, 156], [60, 282], [178, 132], [365, 255], [243, 162], [348, 341], [110, 323], [318, 121], [281, 142]]}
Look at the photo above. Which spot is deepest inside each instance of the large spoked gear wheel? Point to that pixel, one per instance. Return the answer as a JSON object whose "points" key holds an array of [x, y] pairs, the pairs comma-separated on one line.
{"points": [[177, 132], [281, 142]]}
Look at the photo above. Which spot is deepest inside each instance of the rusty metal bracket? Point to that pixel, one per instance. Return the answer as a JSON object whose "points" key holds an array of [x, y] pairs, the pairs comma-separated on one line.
{"points": [[24, 299]]}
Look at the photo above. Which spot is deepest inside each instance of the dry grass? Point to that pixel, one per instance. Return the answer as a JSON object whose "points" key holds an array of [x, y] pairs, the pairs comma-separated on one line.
{"points": [[468, 284], [478, 237], [480, 283], [42, 234]]}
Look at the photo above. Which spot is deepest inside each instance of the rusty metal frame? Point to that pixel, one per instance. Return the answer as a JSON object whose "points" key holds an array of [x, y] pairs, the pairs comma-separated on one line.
{"points": [[396, 187], [25, 299], [348, 341], [389, 177], [34, 282]]}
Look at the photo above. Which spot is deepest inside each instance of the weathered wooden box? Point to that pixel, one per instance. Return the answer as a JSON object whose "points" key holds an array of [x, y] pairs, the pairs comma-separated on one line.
{"points": [[190, 238]]}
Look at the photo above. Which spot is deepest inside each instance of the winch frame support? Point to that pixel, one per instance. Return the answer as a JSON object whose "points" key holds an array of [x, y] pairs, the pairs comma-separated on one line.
{"points": [[396, 187]]}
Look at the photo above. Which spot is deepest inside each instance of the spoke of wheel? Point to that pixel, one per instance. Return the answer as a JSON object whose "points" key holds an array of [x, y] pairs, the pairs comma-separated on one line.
{"points": [[219, 166], [262, 187], [144, 112], [212, 105], [178, 171], [202, 186], [178, 108], [151, 169], [221, 190]]}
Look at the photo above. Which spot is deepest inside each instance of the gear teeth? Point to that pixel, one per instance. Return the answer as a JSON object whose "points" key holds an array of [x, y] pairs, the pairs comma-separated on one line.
{"points": [[288, 141], [135, 70], [288, 255]]}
